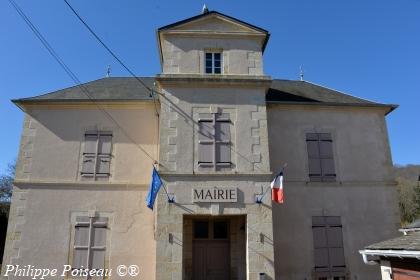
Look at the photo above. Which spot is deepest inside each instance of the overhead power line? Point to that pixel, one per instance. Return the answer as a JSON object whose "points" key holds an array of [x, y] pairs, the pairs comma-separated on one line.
{"points": [[113, 54], [106, 47], [71, 74]]}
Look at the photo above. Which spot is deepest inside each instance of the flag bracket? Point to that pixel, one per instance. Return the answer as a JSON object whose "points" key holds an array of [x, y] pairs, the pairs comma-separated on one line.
{"points": [[259, 198]]}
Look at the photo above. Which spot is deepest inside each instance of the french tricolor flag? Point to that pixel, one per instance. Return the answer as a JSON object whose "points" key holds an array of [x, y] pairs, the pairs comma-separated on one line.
{"points": [[277, 188]]}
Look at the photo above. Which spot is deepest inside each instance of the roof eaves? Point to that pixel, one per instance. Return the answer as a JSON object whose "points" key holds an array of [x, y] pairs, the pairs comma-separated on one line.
{"points": [[267, 34], [211, 13], [23, 101], [390, 106], [391, 253]]}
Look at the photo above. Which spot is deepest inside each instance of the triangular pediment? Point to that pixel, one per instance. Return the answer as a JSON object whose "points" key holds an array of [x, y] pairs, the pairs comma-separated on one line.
{"points": [[214, 22]]}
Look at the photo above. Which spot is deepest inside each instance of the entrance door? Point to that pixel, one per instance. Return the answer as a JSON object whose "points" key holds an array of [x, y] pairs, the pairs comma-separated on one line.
{"points": [[211, 250]]}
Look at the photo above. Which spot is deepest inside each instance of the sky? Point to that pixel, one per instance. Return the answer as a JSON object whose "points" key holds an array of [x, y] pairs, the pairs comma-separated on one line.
{"points": [[370, 49]]}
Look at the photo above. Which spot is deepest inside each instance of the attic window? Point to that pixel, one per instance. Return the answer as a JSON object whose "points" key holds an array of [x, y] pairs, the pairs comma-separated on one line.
{"points": [[213, 62]]}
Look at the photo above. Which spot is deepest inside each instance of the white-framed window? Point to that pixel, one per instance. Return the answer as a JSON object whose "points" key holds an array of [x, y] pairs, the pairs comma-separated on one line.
{"points": [[213, 63], [97, 154], [89, 242]]}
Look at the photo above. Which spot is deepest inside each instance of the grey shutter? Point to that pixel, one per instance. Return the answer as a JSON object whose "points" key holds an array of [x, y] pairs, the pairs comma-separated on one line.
{"points": [[328, 246], [104, 154], [335, 246], [320, 249], [99, 243], [205, 141], [314, 163], [223, 142], [327, 157], [81, 243], [89, 154]]}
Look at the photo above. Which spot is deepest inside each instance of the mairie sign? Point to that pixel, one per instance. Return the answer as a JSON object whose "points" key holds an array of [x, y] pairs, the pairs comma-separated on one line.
{"points": [[215, 194]]}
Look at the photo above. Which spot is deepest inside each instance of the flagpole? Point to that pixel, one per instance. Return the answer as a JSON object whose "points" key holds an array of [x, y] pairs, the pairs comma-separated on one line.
{"points": [[259, 200], [170, 200]]}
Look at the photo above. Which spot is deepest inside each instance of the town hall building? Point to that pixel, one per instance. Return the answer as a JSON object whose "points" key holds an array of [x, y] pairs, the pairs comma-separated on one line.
{"points": [[218, 129]]}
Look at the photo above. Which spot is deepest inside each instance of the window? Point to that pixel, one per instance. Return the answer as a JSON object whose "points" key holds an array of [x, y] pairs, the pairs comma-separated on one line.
{"points": [[214, 141], [328, 248], [89, 243], [320, 157], [220, 230], [213, 63], [201, 229], [211, 229], [97, 154]]}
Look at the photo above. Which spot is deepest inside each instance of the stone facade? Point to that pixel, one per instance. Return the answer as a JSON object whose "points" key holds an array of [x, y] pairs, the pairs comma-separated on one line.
{"points": [[264, 134]]}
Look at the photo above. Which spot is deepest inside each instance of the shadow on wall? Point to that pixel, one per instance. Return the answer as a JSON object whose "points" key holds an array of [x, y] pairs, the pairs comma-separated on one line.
{"points": [[70, 124]]}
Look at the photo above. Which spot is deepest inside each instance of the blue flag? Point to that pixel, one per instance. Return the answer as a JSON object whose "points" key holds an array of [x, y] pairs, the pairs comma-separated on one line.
{"points": [[153, 189]]}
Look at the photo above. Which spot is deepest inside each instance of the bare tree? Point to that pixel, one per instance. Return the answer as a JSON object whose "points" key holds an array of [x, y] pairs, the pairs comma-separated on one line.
{"points": [[409, 192], [6, 186]]}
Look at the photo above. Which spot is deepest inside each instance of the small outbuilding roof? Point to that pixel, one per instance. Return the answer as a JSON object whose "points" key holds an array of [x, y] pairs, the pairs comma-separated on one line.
{"points": [[409, 242], [413, 225]]}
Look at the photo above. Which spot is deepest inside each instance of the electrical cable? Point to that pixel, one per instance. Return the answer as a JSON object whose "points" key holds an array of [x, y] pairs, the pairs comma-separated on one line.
{"points": [[73, 76]]}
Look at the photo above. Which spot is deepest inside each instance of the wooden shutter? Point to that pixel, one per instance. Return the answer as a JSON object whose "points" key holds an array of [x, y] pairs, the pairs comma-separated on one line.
{"points": [[335, 244], [104, 154], [320, 248], [205, 141], [320, 157], [326, 157], [81, 242], [223, 142], [89, 154], [314, 164], [98, 248], [328, 246]]}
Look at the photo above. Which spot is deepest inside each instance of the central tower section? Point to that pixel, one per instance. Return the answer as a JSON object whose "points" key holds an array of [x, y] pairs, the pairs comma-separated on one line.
{"points": [[213, 150]]}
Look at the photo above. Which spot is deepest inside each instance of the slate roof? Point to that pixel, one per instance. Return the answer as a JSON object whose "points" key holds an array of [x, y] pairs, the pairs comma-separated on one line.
{"points": [[129, 89], [106, 89], [409, 242]]}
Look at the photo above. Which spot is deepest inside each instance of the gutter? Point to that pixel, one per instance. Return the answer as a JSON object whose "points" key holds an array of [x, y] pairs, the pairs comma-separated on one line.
{"points": [[388, 253]]}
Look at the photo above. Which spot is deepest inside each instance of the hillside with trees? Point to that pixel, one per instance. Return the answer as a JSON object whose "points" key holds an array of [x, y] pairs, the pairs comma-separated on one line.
{"points": [[409, 191]]}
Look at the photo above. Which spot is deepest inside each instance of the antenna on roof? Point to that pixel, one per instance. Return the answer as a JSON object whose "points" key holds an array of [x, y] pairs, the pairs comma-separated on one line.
{"points": [[205, 10], [301, 73], [108, 71]]}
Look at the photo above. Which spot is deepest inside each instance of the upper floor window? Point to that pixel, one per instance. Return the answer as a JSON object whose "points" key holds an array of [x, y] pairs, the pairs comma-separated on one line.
{"points": [[213, 62], [214, 141], [320, 157], [97, 154], [328, 248], [89, 243]]}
